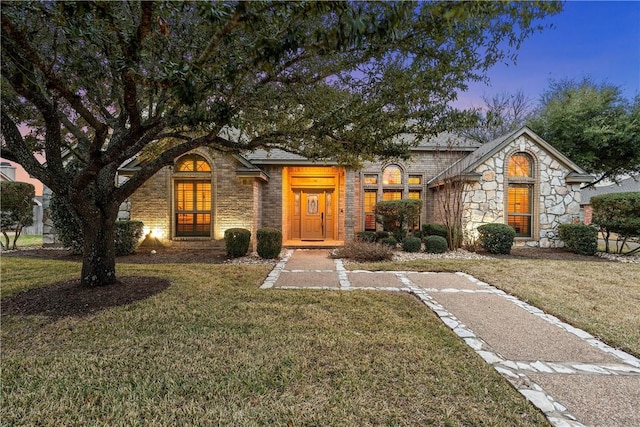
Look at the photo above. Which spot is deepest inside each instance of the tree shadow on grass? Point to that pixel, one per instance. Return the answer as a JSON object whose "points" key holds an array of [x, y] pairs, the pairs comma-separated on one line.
{"points": [[68, 298]]}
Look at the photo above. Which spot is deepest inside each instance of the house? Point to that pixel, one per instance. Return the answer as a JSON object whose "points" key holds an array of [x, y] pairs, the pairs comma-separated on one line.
{"points": [[626, 185], [518, 179]]}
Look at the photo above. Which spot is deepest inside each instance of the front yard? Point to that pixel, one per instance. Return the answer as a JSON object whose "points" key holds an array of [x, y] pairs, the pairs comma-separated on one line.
{"points": [[209, 347]]}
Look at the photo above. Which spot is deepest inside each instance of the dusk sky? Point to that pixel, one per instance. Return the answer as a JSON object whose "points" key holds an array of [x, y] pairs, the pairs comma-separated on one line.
{"points": [[597, 39]]}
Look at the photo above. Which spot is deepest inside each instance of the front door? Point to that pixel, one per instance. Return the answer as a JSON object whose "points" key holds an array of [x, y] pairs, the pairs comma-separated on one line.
{"points": [[316, 219], [313, 215]]}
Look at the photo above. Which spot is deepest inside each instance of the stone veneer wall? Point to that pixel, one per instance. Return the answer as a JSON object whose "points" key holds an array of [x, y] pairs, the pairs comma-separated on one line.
{"points": [[555, 201]]}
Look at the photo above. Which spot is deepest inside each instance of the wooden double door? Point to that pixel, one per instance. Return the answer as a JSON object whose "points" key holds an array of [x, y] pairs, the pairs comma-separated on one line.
{"points": [[313, 214]]}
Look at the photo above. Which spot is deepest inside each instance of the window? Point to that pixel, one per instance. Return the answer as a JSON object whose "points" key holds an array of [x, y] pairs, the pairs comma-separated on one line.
{"points": [[370, 199], [519, 208], [391, 195], [415, 179], [520, 194], [193, 197], [392, 175], [370, 179]]}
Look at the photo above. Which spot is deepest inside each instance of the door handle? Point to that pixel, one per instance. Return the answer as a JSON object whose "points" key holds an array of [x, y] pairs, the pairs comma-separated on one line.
{"points": [[322, 222]]}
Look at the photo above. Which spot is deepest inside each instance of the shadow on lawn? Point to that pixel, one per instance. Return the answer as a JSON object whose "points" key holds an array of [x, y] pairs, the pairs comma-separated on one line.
{"points": [[68, 298]]}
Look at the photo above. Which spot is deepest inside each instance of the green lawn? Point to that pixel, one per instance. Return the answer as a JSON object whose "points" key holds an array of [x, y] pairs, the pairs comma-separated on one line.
{"points": [[213, 349], [25, 240], [602, 298]]}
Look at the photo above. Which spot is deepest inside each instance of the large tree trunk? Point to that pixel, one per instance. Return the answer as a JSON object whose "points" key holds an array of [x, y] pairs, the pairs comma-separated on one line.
{"points": [[99, 254]]}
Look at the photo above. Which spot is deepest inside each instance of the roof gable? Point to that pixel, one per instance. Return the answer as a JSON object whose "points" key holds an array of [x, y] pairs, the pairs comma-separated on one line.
{"points": [[467, 165]]}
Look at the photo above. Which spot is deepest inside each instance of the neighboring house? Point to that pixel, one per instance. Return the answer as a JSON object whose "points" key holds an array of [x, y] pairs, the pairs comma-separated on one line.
{"points": [[8, 173], [518, 179], [625, 186]]}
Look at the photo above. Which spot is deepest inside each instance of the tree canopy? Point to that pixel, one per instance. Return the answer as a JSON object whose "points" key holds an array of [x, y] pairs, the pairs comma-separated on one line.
{"points": [[593, 125], [104, 82]]}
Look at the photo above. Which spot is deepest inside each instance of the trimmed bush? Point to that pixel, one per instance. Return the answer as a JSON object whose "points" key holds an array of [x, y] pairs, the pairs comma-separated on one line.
{"points": [[400, 234], [435, 244], [396, 214], [365, 252], [128, 235], [236, 241], [497, 238], [367, 236], [579, 238], [269, 242], [389, 241], [417, 233], [381, 235], [434, 230], [411, 244]]}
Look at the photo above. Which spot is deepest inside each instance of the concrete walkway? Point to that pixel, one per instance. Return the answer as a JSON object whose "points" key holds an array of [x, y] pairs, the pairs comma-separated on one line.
{"points": [[575, 379]]}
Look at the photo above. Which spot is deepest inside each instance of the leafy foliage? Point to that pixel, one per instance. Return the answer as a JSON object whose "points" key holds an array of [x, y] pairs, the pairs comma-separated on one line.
{"points": [[17, 209], [269, 242], [593, 125], [411, 244], [104, 82], [367, 236], [398, 214], [617, 213], [579, 238], [435, 244], [236, 241], [430, 229], [496, 238], [128, 235]]}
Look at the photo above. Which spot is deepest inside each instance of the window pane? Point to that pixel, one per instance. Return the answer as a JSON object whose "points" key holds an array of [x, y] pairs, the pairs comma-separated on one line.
{"points": [[392, 195], [520, 223], [414, 195], [193, 208], [415, 180], [392, 175], [370, 199], [520, 165], [519, 199], [370, 179], [192, 163]]}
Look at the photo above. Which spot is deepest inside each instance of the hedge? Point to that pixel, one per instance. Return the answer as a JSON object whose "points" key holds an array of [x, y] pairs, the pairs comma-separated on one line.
{"points": [[269, 242], [579, 238], [497, 238], [236, 241]]}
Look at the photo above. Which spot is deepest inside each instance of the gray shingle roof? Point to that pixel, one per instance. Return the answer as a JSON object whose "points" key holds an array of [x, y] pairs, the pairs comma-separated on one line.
{"points": [[626, 185]]}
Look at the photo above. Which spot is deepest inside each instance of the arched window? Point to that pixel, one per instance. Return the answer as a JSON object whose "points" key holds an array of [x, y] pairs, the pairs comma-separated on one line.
{"points": [[392, 175], [520, 207], [193, 197]]}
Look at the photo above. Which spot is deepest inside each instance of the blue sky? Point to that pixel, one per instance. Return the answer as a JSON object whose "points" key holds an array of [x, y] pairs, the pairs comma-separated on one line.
{"points": [[597, 39]]}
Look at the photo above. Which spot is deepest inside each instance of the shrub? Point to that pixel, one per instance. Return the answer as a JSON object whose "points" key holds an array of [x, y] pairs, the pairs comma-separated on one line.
{"points": [[381, 235], [236, 241], [127, 236], [417, 233], [67, 225], [365, 252], [399, 234], [367, 236], [579, 238], [397, 214], [496, 238], [435, 244], [617, 213], [17, 209], [434, 230], [269, 242], [411, 244], [389, 241]]}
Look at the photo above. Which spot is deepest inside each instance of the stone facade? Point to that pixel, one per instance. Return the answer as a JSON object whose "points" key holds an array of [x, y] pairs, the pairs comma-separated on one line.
{"points": [[555, 201]]}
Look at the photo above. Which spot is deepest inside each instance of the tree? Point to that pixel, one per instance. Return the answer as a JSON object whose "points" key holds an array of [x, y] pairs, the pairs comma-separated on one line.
{"points": [[503, 113], [17, 209], [103, 82], [593, 125]]}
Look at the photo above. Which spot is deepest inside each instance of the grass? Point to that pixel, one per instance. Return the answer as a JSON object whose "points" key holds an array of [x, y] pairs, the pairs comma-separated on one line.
{"points": [[214, 349], [25, 240], [601, 298]]}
